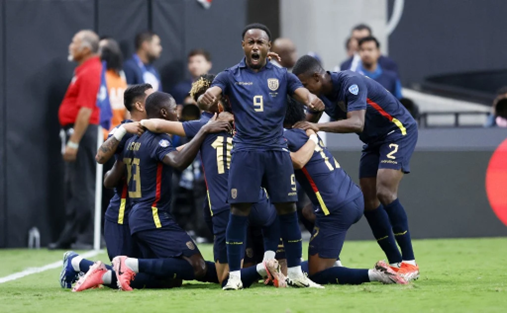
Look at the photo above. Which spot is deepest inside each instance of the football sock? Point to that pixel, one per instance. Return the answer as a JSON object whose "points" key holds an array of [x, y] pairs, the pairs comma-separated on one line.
{"points": [[249, 275], [399, 221], [269, 255], [304, 267], [338, 263], [143, 280], [341, 275], [294, 271], [382, 231], [133, 264], [412, 262], [235, 241], [271, 236], [171, 268], [261, 270], [211, 275], [291, 235]]}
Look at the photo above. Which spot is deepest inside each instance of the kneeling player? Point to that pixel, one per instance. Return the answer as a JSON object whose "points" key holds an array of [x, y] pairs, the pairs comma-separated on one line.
{"points": [[338, 204]]}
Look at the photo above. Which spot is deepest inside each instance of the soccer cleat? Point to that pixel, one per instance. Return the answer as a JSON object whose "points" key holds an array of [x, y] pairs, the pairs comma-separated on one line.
{"points": [[92, 278], [68, 275], [302, 281], [274, 273], [408, 271], [387, 275], [233, 283], [124, 274]]}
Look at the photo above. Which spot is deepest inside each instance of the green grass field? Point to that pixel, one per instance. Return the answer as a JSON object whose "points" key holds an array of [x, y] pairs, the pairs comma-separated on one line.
{"points": [[459, 275]]}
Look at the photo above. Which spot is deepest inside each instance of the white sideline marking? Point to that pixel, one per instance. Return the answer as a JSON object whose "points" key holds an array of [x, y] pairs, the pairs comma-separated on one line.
{"points": [[35, 270]]}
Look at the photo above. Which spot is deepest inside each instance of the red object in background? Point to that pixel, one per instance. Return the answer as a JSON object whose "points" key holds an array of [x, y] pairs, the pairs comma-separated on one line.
{"points": [[496, 182], [205, 3]]}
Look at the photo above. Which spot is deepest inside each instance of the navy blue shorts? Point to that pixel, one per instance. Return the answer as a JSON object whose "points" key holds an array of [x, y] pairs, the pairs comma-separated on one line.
{"points": [[252, 169], [166, 242], [394, 152], [330, 230], [263, 214], [118, 240]]}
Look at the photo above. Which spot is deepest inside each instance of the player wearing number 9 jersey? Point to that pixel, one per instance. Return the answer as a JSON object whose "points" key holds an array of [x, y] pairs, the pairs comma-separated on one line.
{"points": [[257, 92], [390, 136]]}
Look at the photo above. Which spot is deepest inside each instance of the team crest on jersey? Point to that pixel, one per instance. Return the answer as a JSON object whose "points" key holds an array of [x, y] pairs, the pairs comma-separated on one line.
{"points": [[163, 143], [354, 89], [273, 83], [190, 245], [234, 193]]}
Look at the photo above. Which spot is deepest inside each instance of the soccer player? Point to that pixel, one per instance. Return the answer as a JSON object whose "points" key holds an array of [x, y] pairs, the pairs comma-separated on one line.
{"points": [[167, 249], [390, 135], [116, 229], [338, 204], [257, 92], [216, 158]]}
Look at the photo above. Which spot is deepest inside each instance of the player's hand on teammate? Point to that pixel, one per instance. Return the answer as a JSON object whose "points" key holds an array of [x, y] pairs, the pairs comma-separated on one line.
{"points": [[226, 116], [134, 128], [272, 55], [316, 104], [307, 126], [207, 99], [216, 126]]}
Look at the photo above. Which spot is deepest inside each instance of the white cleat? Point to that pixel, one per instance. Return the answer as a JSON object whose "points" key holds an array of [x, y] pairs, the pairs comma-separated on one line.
{"points": [[302, 281], [274, 273], [233, 283]]}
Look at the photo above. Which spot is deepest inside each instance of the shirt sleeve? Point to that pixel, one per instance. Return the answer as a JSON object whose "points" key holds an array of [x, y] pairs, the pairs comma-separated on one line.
{"points": [[295, 139], [222, 81], [89, 84], [191, 128], [355, 94], [293, 83], [161, 146]]}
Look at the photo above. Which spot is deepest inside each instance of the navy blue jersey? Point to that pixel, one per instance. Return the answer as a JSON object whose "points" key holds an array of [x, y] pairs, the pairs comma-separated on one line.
{"points": [[216, 159], [384, 113], [324, 181], [149, 180], [119, 206], [258, 101]]}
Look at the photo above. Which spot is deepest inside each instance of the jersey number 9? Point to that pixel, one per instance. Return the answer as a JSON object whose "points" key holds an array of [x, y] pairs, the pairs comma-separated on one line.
{"points": [[258, 104]]}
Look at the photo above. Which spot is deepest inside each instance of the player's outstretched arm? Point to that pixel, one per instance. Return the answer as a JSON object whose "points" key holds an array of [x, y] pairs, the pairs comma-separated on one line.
{"points": [[108, 147], [309, 99], [158, 125], [209, 98], [354, 123], [114, 175], [305, 153], [182, 159]]}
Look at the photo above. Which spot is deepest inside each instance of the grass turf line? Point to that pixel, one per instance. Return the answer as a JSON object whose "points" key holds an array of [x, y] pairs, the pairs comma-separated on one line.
{"points": [[458, 275]]}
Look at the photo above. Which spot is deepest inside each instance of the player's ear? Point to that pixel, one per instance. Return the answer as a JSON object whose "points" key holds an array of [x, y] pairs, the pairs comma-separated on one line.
{"points": [[139, 106], [269, 45], [243, 44], [316, 76]]}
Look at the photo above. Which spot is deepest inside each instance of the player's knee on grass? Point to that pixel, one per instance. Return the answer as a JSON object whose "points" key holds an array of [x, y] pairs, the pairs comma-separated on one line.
{"points": [[199, 266], [285, 208]]}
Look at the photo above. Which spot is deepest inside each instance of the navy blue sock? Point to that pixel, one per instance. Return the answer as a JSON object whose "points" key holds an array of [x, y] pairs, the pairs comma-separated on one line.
{"points": [[271, 236], [399, 220], [143, 280], [167, 268], [113, 284], [341, 275], [235, 237], [85, 264], [304, 267], [382, 230], [211, 275], [291, 235], [249, 276]]}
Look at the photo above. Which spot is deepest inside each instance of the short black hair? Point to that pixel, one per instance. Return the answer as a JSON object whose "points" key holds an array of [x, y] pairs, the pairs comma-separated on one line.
{"points": [[295, 112], [142, 37], [202, 52], [256, 26], [368, 39], [307, 64], [362, 27], [111, 53], [154, 103], [133, 93]]}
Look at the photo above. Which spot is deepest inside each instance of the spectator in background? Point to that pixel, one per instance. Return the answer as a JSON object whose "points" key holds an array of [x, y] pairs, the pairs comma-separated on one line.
{"points": [[79, 118], [498, 115], [411, 107], [139, 68], [350, 47], [369, 51], [287, 51], [359, 32], [110, 52], [199, 63]]}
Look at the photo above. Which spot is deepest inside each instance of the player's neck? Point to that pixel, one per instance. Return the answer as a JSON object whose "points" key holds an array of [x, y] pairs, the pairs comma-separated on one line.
{"points": [[256, 70], [327, 85], [370, 67], [136, 116], [143, 57]]}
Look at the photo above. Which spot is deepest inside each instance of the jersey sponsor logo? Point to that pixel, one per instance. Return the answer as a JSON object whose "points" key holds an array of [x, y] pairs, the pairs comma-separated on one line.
{"points": [[354, 89], [273, 84], [163, 143], [244, 83], [234, 193], [190, 245]]}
